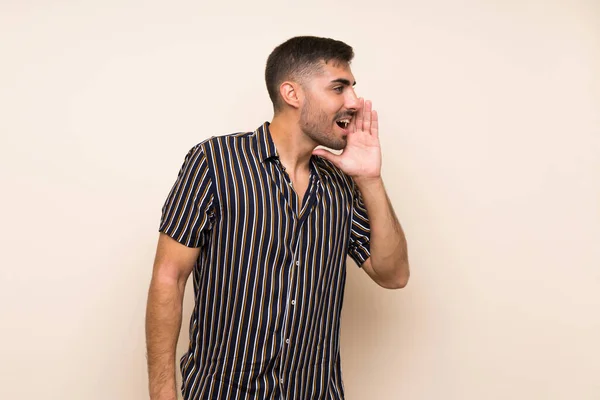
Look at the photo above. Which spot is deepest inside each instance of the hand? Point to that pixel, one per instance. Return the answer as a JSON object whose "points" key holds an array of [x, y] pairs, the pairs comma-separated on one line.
{"points": [[361, 158]]}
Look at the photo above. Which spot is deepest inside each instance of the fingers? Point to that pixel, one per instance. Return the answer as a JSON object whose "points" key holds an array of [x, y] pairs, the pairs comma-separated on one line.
{"points": [[366, 119], [366, 127], [374, 124], [358, 119]]}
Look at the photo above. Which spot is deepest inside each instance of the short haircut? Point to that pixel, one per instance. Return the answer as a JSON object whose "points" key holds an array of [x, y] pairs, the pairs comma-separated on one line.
{"points": [[298, 58]]}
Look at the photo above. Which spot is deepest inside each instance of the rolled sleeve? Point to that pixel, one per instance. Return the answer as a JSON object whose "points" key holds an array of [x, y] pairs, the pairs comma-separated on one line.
{"points": [[360, 234], [188, 212]]}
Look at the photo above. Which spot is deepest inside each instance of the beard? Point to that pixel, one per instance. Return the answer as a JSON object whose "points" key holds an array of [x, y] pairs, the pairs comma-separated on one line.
{"points": [[318, 126]]}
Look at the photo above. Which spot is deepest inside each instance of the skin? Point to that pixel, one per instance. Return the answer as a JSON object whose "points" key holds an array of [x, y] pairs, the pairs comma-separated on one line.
{"points": [[306, 120]]}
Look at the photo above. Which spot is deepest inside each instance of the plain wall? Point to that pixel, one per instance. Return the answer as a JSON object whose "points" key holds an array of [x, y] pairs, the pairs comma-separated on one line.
{"points": [[490, 127]]}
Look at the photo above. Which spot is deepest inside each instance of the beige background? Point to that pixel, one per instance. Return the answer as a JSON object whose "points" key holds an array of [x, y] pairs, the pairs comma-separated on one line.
{"points": [[490, 123]]}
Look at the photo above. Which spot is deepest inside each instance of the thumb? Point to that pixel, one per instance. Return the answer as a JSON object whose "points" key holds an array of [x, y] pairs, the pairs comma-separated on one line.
{"points": [[329, 156]]}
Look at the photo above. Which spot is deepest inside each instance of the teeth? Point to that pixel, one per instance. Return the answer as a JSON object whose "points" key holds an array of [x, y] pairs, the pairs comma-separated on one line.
{"points": [[344, 122]]}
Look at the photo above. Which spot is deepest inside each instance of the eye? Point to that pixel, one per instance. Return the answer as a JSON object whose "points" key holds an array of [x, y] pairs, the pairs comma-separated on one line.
{"points": [[338, 89]]}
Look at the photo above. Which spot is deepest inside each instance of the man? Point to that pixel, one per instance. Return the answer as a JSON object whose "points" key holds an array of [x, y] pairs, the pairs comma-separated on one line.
{"points": [[265, 222]]}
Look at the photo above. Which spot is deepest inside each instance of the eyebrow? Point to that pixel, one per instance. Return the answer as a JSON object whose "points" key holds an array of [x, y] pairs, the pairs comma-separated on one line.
{"points": [[343, 81]]}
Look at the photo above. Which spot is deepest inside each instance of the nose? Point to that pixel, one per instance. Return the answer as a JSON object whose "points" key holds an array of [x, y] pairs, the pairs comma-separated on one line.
{"points": [[352, 100]]}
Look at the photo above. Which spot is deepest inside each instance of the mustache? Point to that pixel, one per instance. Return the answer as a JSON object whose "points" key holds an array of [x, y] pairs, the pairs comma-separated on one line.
{"points": [[350, 114]]}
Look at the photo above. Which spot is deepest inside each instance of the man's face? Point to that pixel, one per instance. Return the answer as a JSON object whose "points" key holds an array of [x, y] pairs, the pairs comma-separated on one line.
{"points": [[329, 105]]}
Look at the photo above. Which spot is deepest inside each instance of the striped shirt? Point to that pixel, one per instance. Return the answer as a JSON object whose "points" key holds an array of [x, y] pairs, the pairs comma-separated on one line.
{"points": [[269, 280]]}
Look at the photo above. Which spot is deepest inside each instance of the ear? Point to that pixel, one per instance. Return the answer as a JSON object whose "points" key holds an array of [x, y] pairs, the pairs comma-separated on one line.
{"points": [[291, 93]]}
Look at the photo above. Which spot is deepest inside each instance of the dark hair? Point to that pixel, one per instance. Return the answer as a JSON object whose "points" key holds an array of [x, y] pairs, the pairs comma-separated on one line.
{"points": [[299, 57]]}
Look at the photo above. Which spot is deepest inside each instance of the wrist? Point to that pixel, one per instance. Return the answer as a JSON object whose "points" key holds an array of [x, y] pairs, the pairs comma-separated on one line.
{"points": [[368, 183], [166, 393]]}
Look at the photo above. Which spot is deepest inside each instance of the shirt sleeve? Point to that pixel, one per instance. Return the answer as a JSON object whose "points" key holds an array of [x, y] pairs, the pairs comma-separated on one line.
{"points": [[360, 234], [188, 212]]}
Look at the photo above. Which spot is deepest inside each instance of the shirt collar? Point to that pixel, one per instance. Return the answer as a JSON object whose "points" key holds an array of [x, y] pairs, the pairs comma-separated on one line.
{"points": [[266, 146], [267, 149]]}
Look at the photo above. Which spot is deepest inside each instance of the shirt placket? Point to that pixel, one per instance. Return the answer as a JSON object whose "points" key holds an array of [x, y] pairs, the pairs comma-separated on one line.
{"points": [[292, 301], [290, 309]]}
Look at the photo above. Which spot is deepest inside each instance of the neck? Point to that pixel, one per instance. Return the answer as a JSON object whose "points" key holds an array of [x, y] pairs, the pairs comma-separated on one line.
{"points": [[293, 146]]}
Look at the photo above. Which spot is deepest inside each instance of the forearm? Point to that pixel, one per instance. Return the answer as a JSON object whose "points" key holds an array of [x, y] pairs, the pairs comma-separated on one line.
{"points": [[163, 323], [389, 257]]}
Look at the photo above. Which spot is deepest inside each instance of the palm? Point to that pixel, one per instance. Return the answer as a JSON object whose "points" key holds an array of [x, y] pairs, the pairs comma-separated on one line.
{"points": [[362, 155]]}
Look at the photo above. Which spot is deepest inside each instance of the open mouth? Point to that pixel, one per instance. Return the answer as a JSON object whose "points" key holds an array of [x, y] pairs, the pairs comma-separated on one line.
{"points": [[343, 123]]}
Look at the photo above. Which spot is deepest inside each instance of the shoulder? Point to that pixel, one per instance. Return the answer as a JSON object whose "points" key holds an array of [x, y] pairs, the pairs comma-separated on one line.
{"points": [[216, 144], [223, 142]]}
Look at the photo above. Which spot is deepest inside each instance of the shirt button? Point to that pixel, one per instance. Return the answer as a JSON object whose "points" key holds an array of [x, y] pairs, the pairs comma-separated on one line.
{"points": [[293, 302], [281, 380], [298, 263], [287, 341]]}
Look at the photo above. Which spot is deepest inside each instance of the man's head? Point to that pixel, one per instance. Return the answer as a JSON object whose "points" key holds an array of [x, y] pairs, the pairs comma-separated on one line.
{"points": [[311, 76], [298, 58]]}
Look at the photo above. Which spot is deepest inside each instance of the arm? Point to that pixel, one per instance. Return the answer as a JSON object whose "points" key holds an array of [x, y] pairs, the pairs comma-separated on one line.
{"points": [[172, 266], [361, 159], [388, 264]]}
